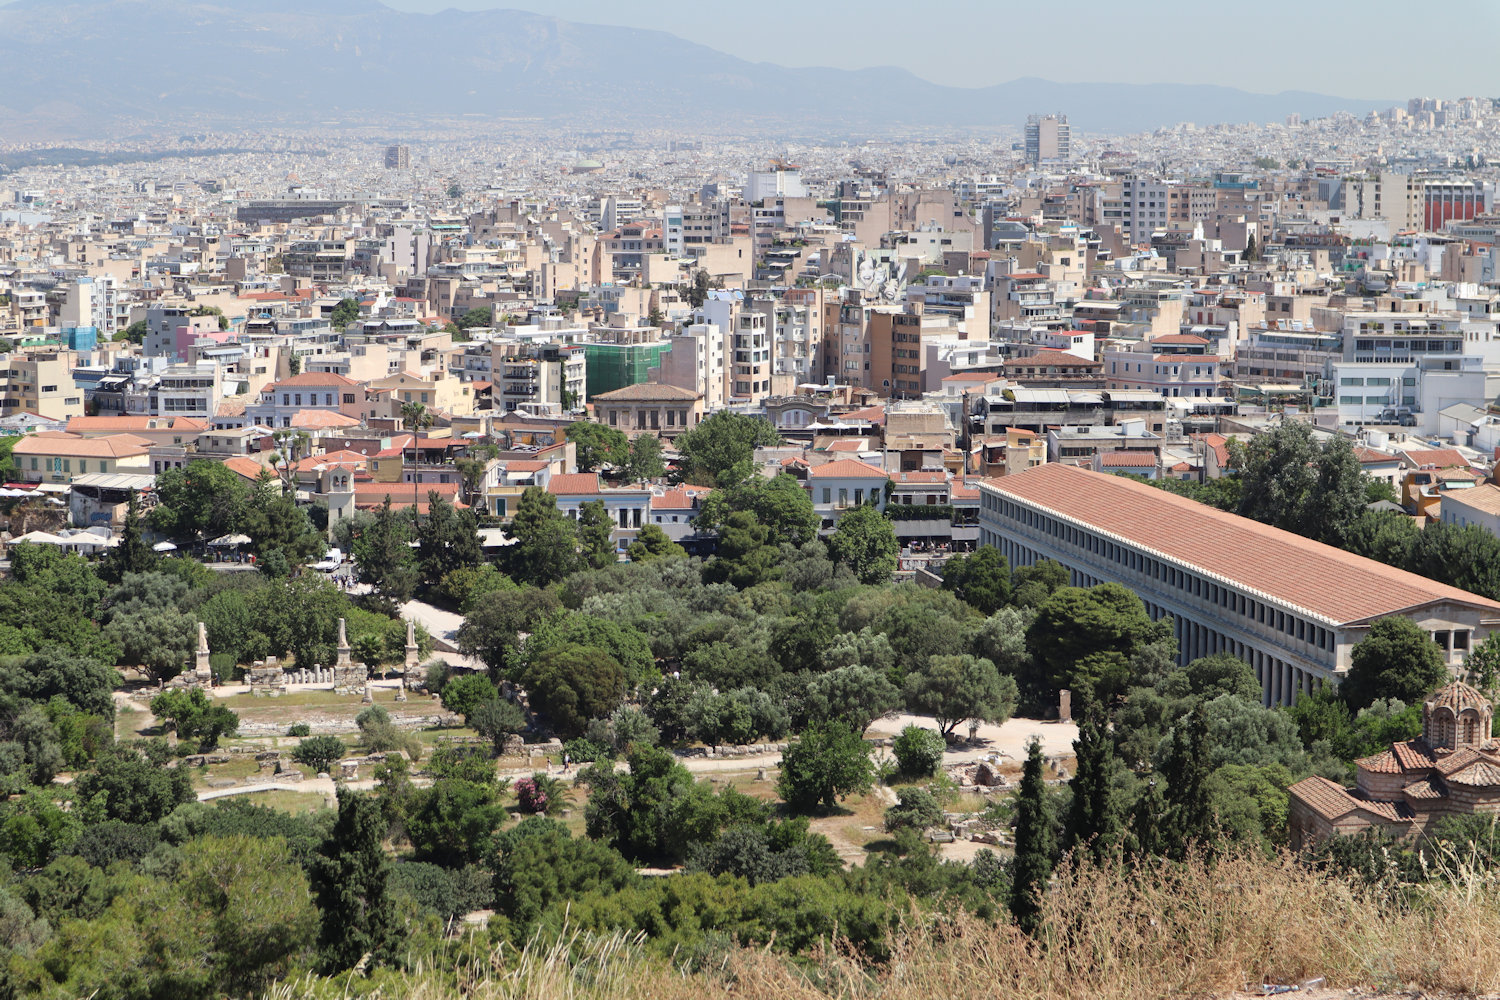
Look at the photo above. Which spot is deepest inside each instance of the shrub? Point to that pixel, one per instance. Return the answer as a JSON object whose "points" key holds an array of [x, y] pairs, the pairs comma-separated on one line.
{"points": [[299, 729], [462, 695], [585, 751], [916, 810], [919, 752], [530, 797], [319, 753]]}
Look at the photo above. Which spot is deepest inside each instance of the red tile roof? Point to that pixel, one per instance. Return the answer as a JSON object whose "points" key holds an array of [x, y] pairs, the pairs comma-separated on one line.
{"points": [[1440, 458], [921, 476], [1128, 459], [1333, 584], [574, 484], [134, 425], [847, 468]]}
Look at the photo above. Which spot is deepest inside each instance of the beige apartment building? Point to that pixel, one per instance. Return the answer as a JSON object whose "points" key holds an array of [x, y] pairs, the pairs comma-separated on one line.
{"points": [[41, 384]]}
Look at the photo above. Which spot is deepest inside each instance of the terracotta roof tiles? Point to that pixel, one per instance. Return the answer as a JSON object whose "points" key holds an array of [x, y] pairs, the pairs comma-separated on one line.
{"points": [[847, 468], [1337, 586]]}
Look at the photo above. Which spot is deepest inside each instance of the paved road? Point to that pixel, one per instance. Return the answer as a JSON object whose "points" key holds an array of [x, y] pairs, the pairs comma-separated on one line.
{"points": [[443, 627]]}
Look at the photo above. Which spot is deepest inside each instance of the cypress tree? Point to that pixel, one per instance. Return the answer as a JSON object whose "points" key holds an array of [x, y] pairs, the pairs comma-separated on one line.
{"points": [[350, 885], [1146, 837], [132, 555], [1034, 844], [1094, 820], [1189, 814]]}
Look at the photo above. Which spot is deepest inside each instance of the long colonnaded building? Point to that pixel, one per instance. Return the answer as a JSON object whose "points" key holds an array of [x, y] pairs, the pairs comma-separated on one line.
{"points": [[1291, 607]]}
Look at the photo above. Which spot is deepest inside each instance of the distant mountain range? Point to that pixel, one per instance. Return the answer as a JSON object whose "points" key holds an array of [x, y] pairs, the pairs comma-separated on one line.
{"points": [[81, 67]]}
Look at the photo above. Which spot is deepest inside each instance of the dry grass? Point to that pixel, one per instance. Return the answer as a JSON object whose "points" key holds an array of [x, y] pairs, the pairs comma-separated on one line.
{"points": [[1194, 930]]}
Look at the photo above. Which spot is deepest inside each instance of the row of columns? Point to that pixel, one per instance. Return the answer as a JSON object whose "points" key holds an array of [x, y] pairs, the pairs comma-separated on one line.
{"points": [[1281, 682]]}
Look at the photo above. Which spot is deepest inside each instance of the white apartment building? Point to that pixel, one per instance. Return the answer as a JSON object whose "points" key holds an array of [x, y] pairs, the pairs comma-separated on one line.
{"points": [[1190, 375]]}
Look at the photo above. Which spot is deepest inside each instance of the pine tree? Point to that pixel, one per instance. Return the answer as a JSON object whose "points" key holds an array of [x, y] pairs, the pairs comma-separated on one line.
{"points": [[1034, 843], [1189, 815], [350, 885], [1094, 820]]}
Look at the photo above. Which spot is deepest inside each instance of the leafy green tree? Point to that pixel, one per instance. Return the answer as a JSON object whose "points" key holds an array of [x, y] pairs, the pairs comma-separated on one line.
{"points": [[779, 503], [546, 548], [319, 753], [194, 716], [283, 536], [463, 695], [540, 865], [484, 316], [571, 684], [201, 500], [645, 463], [1250, 803], [865, 542], [447, 539], [84, 683], [856, 695], [1148, 835], [981, 579], [350, 883], [132, 788], [1387, 536], [453, 823], [655, 811], [383, 554], [721, 449], [495, 720], [460, 587], [158, 640], [652, 543], [829, 762], [1396, 660], [346, 312], [492, 627], [624, 643], [1034, 843], [31, 748], [1483, 665], [597, 445], [596, 535], [953, 689], [1033, 585], [919, 752], [1466, 557], [1294, 482]]}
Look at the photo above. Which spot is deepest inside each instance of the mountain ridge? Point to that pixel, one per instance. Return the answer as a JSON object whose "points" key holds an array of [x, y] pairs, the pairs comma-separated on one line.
{"points": [[104, 65]]}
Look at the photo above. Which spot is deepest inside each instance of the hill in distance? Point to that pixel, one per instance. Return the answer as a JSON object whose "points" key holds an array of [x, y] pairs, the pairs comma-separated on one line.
{"points": [[80, 67]]}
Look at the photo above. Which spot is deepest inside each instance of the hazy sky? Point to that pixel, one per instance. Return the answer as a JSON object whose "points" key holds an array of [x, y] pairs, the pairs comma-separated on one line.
{"points": [[1377, 49]]}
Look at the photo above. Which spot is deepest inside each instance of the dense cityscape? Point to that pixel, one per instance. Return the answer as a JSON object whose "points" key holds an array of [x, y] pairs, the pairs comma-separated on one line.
{"points": [[593, 555]]}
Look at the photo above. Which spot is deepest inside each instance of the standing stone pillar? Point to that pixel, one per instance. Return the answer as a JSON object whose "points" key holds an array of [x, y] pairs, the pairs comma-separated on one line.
{"points": [[411, 647]]}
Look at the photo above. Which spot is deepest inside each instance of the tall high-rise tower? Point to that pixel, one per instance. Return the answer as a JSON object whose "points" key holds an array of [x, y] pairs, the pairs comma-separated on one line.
{"points": [[1048, 139]]}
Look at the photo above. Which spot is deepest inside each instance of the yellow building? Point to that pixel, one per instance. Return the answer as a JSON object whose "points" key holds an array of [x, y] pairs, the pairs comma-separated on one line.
{"points": [[57, 456], [439, 394]]}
